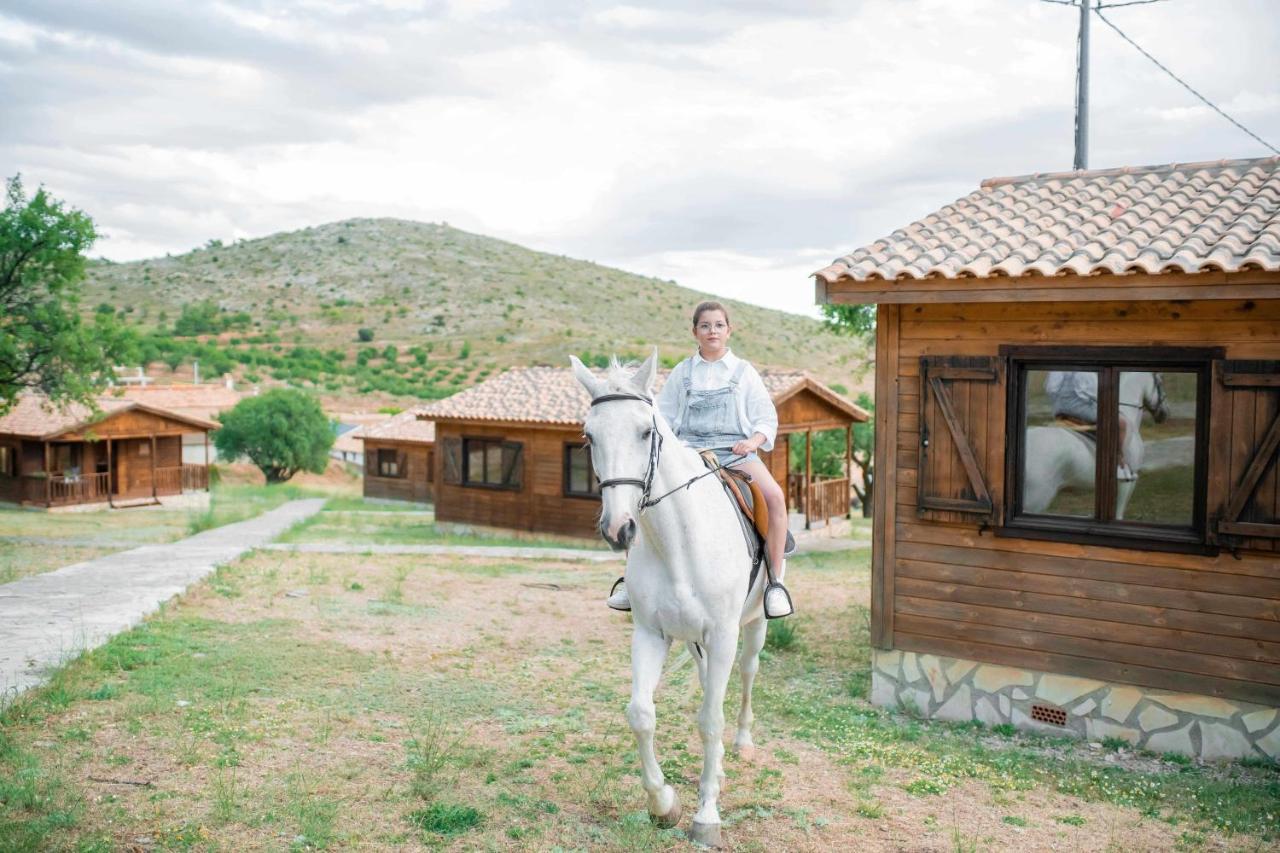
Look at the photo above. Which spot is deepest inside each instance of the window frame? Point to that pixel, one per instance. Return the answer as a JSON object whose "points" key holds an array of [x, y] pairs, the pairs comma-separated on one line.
{"points": [[1100, 529], [492, 444], [566, 456], [8, 460], [394, 462]]}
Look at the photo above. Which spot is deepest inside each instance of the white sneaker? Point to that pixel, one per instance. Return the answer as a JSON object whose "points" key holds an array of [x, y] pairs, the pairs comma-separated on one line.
{"points": [[777, 602], [618, 598]]}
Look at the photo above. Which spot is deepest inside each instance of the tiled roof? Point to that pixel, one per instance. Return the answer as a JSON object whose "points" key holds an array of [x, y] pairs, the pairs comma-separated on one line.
{"points": [[552, 395], [1185, 218], [33, 416], [204, 401], [405, 426]]}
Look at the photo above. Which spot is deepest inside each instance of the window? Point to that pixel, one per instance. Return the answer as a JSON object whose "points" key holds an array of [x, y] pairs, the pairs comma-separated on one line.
{"points": [[492, 463], [1108, 443], [390, 463], [579, 477], [7, 461]]}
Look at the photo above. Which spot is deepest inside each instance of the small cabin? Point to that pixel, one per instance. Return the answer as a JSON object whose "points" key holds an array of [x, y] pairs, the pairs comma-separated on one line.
{"points": [[399, 458], [202, 401], [1077, 513], [511, 453], [125, 454]]}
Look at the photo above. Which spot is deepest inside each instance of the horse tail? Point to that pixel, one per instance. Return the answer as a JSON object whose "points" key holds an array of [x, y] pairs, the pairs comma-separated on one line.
{"points": [[691, 653]]}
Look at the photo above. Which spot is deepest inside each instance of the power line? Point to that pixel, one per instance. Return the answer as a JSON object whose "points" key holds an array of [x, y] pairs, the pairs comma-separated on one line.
{"points": [[1182, 82]]}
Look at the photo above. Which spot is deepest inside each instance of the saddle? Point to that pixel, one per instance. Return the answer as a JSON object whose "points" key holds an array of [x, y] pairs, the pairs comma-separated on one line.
{"points": [[1084, 429], [746, 500]]}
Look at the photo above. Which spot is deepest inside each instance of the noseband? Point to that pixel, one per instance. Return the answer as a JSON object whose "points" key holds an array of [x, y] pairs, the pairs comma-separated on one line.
{"points": [[655, 450]]}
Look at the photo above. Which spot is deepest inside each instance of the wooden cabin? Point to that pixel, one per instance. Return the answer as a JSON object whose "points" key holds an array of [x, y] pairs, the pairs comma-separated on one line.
{"points": [[127, 453], [202, 401], [399, 458], [511, 452], [1115, 575]]}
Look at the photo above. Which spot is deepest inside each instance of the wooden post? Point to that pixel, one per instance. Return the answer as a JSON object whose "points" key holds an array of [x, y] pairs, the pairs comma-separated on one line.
{"points": [[48, 476], [808, 478], [111, 474], [153, 468], [206, 462], [848, 471]]}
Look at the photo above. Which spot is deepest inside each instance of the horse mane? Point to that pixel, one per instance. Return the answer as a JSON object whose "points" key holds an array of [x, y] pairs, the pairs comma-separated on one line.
{"points": [[619, 376]]}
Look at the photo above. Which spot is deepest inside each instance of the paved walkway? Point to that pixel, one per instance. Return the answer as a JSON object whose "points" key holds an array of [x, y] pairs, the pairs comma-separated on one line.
{"points": [[48, 619]]}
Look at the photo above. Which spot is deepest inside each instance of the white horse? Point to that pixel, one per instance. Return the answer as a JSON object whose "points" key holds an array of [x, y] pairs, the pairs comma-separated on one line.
{"points": [[1058, 457], [688, 568]]}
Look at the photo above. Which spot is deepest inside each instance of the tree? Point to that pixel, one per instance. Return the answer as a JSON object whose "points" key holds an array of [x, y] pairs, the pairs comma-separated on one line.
{"points": [[45, 346], [282, 432], [856, 320], [864, 453], [364, 335]]}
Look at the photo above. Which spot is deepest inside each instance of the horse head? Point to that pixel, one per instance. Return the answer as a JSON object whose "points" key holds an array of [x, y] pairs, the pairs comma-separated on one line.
{"points": [[1153, 399], [621, 429]]}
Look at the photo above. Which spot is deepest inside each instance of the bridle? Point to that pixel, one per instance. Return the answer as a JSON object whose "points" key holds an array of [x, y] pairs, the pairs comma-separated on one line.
{"points": [[655, 452], [1160, 398]]}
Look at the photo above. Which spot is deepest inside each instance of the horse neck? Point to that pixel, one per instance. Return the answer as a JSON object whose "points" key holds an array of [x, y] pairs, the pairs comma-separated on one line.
{"points": [[1133, 392], [671, 524]]}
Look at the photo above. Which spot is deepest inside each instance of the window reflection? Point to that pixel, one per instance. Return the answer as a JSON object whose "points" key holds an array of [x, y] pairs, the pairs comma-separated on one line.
{"points": [[1158, 447], [1060, 442]]}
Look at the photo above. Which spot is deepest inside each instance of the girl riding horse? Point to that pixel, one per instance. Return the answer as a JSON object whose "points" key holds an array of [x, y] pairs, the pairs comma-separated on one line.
{"points": [[715, 401]]}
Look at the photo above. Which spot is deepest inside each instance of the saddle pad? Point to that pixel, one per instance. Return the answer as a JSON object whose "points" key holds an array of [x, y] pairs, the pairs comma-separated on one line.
{"points": [[747, 499], [1084, 429]]}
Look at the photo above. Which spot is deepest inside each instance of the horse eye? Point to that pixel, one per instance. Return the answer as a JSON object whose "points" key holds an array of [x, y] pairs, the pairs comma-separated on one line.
{"points": [[648, 433]]}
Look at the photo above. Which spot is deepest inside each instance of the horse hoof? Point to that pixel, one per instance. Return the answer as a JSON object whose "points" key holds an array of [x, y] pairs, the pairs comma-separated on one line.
{"points": [[747, 752], [706, 834], [671, 818]]}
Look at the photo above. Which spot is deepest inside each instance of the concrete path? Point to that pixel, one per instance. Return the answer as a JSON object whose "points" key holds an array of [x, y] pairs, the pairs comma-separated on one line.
{"points": [[48, 619], [498, 551]]}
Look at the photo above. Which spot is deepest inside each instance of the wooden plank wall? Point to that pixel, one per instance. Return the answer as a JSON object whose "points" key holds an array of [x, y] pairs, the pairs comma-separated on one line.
{"points": [[540, 505], [414, 486], [1184, 622]]}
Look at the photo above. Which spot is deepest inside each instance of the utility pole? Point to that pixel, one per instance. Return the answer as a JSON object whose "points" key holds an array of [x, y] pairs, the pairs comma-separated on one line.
{"points": [[1082, 89]]}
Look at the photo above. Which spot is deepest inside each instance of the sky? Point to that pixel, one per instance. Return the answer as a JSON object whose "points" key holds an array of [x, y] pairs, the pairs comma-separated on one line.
{"points": [[735, 147]]}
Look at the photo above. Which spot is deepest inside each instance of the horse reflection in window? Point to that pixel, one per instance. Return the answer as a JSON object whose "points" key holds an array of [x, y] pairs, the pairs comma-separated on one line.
{"points": [[1064, 456]]}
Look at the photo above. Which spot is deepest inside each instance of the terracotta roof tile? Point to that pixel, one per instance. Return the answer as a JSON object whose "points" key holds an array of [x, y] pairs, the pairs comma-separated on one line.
{"points": [[33, 416], [406, 426], [552, 395], [1186, 218], [204, 401]]}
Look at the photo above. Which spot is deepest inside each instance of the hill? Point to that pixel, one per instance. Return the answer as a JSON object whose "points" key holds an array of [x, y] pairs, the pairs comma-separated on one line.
{"points": [[440, 309]]}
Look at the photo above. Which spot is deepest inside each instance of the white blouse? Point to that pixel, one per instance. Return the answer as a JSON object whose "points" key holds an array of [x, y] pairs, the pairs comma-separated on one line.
{"points": [[756, 412]]}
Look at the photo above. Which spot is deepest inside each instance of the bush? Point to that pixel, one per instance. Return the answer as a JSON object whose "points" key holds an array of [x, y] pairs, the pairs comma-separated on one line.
{"points": [[364, 335], [282, 432]]}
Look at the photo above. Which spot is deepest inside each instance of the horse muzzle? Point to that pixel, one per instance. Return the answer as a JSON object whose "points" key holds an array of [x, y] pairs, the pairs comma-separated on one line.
{"points": [[621, 537]]}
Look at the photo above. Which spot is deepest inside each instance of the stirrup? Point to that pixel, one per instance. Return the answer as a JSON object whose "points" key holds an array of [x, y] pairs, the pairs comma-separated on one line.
{"points": [[777, 601], [789, 547], [618, 599]]}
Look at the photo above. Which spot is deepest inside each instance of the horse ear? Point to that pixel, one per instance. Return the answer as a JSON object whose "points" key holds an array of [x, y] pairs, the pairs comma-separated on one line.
{"points": [[586, 377], [646, 374]]}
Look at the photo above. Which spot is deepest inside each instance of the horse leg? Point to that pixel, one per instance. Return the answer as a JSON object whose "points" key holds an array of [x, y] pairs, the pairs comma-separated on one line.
{"points": [[648, 652], [753, 635], [720, 652], [700, 661]]}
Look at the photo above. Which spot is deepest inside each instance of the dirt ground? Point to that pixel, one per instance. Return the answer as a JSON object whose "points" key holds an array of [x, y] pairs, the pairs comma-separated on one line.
{"points": [[308, 701]]}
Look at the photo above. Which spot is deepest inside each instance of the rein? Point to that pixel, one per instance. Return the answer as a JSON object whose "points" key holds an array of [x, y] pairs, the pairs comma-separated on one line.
{"points": [[655, 452]]}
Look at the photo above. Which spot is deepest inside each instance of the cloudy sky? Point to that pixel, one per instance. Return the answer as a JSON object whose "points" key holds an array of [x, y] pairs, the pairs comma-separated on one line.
{"points": [[733, 146]]}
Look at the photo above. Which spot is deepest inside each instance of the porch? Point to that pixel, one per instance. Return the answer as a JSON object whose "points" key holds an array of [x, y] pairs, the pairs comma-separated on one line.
{"points": [[64, 489]]}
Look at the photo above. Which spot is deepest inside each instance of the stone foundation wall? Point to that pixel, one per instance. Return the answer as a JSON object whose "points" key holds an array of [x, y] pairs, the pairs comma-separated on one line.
{"points": [[961, 690]]}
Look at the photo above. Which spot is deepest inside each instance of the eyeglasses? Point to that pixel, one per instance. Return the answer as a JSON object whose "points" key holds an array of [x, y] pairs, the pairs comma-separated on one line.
{"points": [[713, 327]]}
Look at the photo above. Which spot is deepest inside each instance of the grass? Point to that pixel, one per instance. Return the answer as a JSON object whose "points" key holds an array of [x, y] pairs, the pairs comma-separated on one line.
{"points": [[484, 711], [396, 528]]}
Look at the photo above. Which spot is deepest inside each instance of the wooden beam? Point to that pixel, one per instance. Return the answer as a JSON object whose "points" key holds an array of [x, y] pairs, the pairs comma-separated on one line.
{"points": [[884, 507], [848, 470], [111, 474], [808, 478], [153, 469]]}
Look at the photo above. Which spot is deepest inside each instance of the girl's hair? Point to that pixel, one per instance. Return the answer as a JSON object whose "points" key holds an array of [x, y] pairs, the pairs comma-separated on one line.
{"points": [[709, 306]]}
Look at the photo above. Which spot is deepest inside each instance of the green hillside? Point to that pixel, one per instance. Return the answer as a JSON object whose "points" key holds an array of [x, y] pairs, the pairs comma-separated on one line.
{"points": [[443, 308]]}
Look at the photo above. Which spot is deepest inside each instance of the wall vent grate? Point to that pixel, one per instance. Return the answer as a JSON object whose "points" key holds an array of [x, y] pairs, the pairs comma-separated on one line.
{"points": [[1049, 714]]}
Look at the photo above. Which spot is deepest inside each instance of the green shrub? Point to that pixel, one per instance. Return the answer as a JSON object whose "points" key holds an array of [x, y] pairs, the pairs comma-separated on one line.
{"points": [[364, 335]]}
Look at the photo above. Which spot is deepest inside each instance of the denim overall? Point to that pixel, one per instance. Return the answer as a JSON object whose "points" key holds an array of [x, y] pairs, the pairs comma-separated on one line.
{"points": [[710, 418]]}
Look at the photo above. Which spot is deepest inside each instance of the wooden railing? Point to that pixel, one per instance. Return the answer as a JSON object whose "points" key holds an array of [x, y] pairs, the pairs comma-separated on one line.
{"points": [[829, 498], [61, 489]]}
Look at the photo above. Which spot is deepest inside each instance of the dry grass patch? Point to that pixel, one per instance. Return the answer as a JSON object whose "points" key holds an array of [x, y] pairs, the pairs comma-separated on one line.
{"points": [[301, 701]]}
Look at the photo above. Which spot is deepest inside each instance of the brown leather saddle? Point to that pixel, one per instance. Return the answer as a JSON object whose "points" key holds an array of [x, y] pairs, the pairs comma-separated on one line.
{"points": [[746, 496], [1084, 429]]}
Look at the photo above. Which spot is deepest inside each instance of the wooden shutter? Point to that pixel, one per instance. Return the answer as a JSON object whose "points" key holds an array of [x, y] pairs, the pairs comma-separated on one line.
{"points": [[452, 468], [513, 464], [962, 438], [1244, 462], [402, 464]]}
